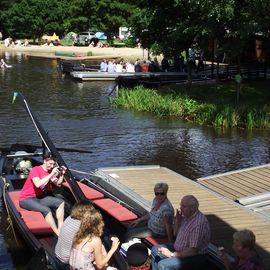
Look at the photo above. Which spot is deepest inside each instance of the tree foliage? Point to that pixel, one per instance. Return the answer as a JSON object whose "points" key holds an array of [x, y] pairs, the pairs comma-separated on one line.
{"points": [[161, 25], [173, 25], [33, 18]]}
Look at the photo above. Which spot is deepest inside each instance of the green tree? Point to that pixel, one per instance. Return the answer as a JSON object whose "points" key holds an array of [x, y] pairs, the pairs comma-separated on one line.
{"points": [[102, 15], [173, 25], [33, 18]]}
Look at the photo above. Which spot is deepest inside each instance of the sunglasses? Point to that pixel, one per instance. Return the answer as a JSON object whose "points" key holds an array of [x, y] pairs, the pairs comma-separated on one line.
{"points": [[159, 193]]}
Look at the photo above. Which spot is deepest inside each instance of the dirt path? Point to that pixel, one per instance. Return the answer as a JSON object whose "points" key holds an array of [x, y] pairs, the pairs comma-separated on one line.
{"points": [[130, 54]]}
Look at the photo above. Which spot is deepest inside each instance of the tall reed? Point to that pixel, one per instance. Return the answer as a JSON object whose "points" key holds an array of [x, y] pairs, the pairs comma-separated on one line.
{"points": [[182, 106]]}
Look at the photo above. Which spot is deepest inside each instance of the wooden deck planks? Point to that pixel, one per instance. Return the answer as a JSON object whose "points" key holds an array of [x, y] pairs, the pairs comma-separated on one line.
{"points": [[240, 183], [225, 216]]}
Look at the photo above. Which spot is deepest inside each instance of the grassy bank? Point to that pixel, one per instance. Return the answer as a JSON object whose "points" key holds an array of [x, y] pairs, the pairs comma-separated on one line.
{"points": [[205, 105]]}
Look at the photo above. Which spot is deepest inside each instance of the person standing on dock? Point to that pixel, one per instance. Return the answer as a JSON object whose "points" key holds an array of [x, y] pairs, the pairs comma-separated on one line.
{"points": [[36, 194], [158, 222], [191, 244]]}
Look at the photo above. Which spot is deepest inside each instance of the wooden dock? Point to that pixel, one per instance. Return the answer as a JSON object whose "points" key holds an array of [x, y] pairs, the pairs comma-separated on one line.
{"points": [[240, 183], [224, 214]]}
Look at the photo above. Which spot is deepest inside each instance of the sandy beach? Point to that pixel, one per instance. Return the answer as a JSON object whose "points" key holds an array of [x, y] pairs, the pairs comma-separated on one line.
{"points": [[130, 54]]}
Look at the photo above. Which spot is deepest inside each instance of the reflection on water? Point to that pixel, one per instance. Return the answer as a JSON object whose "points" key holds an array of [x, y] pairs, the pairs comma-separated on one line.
{"points": [[79, 115]]}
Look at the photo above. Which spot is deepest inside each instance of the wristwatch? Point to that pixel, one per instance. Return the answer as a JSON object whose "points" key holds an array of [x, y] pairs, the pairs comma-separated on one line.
{"points": [[172, 255]]}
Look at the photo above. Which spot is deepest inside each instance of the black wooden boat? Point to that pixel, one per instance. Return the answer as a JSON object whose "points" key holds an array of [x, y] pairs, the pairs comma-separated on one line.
{"points": [[70, 66], [118, 206], [31, 225]]}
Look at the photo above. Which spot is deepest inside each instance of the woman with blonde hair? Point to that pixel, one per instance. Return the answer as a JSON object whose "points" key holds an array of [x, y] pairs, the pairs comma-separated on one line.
{"points": [[157, 222], [88, 252], [247, 257], [69, 229]]}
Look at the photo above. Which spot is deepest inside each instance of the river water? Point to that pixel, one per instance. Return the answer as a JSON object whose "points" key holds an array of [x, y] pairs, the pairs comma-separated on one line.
{"points": [[79, 115]]}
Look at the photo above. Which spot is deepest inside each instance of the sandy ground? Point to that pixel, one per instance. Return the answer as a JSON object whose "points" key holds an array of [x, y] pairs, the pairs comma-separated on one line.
{"points": [[130, 54]]}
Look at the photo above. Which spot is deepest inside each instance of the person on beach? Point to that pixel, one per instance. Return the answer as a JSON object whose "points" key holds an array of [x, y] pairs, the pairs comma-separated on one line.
{"points": [[36, 194], [189, 250], [7, 42], [87, 251], [70, 227], [158, 222], [247, 257]]}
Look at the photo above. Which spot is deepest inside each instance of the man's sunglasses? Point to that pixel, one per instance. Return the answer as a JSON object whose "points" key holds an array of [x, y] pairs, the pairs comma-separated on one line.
{"points": [[159, 193]]}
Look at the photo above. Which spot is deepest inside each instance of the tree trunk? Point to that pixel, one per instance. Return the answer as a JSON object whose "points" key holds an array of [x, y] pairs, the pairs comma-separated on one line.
{"points": [[189, 71]]}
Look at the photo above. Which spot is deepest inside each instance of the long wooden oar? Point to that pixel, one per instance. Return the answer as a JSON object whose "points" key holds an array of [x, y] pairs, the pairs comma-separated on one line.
{"points": [[31, 147], [49, 145]]}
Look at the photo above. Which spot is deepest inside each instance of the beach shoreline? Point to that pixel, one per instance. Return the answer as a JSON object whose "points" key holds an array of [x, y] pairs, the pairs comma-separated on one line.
{"points": [[130, 54]]}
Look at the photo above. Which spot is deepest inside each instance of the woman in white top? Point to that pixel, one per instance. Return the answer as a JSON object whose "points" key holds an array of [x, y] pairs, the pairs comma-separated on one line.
{"points": [[87, 249]]}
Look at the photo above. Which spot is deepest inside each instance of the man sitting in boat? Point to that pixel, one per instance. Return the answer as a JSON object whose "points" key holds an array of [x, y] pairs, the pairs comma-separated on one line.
{"points": [[191, 244], [36, 194], [158, 222]]}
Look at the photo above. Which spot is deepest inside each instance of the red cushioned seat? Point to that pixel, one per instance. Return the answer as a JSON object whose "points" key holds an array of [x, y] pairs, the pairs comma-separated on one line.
{"points": [[115, 209], [157, 240], [14, 195], [36, 223], [89, 192], [33, 220]]}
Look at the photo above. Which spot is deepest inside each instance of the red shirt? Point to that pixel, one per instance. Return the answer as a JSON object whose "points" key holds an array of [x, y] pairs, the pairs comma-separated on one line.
{"points": [[29, 189]]}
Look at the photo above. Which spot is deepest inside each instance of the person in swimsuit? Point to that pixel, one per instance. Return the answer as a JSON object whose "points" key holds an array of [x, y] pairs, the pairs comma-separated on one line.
{"points": [[88, 252]]}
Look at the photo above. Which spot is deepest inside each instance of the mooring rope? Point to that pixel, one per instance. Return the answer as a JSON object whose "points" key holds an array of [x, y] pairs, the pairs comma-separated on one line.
{"points": [[9, 219]]}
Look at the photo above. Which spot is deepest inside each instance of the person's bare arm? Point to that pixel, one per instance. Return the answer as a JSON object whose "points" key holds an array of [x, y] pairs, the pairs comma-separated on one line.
{"points": [[139, 220], [101, 260], [169, 228], [39, 182]]}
